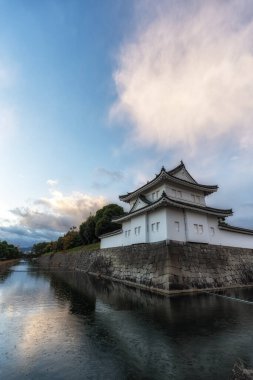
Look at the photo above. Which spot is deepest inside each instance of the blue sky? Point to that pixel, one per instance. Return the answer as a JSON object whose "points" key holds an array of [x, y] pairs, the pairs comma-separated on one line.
{"points": [[95, 96]]}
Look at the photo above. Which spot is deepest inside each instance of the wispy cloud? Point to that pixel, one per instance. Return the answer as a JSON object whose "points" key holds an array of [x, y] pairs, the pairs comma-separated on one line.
{"points": [[104, 178], [52, 182], [58, 212], [186, 76]]}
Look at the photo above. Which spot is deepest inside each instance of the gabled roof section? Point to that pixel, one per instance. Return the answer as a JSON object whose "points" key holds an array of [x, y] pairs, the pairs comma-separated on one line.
{"points": [[140, 202], [181, 172], [165, 201], [173, 176]]}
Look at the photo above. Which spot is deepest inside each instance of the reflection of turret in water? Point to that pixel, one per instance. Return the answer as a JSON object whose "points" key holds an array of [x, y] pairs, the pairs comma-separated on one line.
{"points": [[163, 310]]}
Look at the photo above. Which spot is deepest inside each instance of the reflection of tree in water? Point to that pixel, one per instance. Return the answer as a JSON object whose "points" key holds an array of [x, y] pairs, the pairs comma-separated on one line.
{"points": [[178, 314], [151, 333], [4, 274], [5, 271], [66, 287]]}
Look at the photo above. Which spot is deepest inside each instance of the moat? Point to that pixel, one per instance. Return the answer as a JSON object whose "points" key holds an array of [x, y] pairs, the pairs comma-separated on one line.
{"points": [[70, 326]]}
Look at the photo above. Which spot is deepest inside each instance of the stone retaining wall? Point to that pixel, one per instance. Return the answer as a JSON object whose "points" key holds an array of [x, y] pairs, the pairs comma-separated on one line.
{"points": [[161, 266]]}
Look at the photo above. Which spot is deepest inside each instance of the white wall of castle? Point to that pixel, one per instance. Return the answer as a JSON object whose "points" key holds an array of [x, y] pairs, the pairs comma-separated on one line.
{"points": [[176, 224]]}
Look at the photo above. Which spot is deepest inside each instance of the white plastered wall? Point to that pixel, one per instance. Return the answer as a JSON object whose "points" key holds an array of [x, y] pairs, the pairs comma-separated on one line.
{"points": [[175, 224], [196, 234], [156, 191], [157, 234], [186, 194], [227, 238], [112, 241]]}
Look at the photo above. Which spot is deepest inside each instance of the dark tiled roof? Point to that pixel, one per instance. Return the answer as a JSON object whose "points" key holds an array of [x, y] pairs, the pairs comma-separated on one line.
{"points": [[111, 233], [169, 176], [178, 168], [228, 227], [164, 200], [143, 199]]}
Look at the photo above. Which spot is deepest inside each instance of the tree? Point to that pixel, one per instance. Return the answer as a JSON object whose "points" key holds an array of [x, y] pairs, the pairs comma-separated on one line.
{"points": [[41, 248], [104, 218], [71, 239], [87, 230], [8, 251]]}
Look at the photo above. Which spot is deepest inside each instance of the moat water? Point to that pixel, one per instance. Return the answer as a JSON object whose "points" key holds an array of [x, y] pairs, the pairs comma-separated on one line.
{"points": [[70, 326]]}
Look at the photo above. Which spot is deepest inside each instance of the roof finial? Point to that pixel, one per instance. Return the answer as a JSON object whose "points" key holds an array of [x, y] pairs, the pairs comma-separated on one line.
{"points": [[163, 169]]}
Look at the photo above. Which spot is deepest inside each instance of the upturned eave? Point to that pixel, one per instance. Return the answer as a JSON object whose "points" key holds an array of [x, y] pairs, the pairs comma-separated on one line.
{"points": [[164, 176], [166, 201]]}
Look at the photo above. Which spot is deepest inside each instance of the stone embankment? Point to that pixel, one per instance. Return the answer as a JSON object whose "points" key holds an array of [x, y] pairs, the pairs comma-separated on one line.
{"points": [[163, 267], [4, 264]]}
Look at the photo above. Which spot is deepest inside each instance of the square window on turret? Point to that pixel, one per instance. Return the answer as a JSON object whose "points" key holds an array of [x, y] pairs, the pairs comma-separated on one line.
{"points": [[177, 226], [201, 229]]}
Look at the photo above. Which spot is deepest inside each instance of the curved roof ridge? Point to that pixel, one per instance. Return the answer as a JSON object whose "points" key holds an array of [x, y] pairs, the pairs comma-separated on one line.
{"points": [[177, 203], [208, 189], [178, 168], [143, 199]]}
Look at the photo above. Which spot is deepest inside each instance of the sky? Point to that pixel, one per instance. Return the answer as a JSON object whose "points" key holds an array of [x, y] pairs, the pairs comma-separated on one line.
{"points": [[95, 96]]}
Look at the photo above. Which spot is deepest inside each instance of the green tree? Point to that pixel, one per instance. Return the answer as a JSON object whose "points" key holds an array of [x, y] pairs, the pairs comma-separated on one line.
{"points": [[87, 230], [41, 248], [104, 218], [9, 251]]}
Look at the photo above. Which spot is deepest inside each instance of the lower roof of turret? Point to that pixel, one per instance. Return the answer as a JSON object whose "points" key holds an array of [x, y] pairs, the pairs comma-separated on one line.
{"points": [[165, 201]]}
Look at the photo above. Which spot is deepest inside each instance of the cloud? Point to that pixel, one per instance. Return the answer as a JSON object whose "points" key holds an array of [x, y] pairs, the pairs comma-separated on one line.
{"points": [[52, 182], [47, 218], [25, 237], [105, 178], [186, 76], [58, 212]]}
